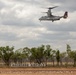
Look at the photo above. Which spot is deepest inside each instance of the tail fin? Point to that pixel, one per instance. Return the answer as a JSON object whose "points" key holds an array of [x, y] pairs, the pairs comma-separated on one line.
{"points": [[65, 15]]}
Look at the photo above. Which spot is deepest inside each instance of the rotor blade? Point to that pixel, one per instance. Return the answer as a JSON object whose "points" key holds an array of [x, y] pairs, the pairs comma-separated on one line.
{"points": [[52, 7]]}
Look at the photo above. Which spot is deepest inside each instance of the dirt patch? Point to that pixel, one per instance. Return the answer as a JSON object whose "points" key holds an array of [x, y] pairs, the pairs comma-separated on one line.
{"points": [[37, 71]]}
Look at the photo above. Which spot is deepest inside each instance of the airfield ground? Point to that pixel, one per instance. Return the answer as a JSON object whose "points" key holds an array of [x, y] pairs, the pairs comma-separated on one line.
{"points": [[37, 71]]}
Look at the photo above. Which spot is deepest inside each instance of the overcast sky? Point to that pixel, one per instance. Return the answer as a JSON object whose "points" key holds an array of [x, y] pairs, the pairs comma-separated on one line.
{"points": [[20, 25]]}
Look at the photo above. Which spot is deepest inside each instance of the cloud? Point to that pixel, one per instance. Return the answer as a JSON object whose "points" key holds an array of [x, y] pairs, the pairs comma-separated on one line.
{"points": [[20, 25], [65, 4]]}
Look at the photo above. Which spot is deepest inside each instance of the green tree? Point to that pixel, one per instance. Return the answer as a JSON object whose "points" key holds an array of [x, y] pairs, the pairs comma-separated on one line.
{"points": [[68, 49], [72, 54], [20, 55], [26, 53], [58, 57], [62, 55], [14, 57], [32, 55], [53, 55], [47, 53], [37, 54], [17, 57], [6, 53]]}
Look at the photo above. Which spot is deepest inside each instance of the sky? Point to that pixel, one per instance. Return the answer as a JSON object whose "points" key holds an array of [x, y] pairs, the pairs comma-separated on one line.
{"points": [[20, 25]]}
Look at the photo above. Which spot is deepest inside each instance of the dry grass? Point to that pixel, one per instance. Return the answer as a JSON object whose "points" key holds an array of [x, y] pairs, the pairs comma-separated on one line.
{"points": [[37, 71]]}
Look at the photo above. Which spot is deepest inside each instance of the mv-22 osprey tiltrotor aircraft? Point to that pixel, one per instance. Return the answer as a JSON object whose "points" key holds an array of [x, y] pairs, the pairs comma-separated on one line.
{"points": [[51, 17]]}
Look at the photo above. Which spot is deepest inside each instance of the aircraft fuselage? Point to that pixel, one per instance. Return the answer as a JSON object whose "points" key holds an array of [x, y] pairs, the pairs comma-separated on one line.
{"points": [[52, 18]]}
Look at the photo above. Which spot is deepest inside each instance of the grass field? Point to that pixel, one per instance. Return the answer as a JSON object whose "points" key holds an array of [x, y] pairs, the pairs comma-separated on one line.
{"points": [[37, 71]]}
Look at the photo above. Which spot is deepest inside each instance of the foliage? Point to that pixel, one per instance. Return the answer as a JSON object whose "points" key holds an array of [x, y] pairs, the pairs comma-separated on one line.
{"points": [[58, 57], [72, 54], [38, 55], [68, 48], [6, 53]]}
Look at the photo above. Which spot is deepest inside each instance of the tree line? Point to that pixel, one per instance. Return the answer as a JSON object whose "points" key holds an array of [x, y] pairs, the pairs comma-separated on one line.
{"points": [[39, 55]]}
